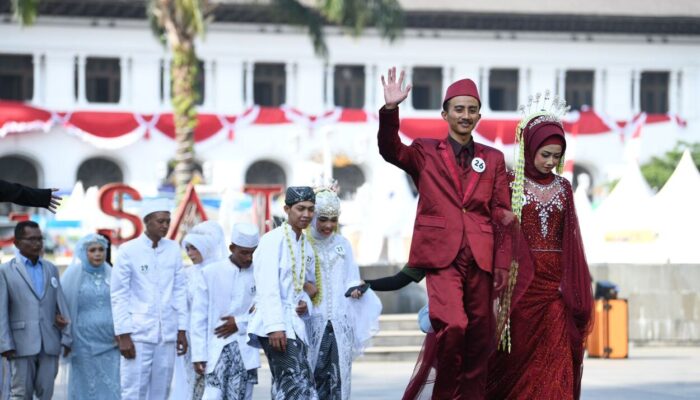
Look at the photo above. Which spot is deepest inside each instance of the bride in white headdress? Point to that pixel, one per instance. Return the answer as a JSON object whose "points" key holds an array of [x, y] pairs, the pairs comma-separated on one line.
{"points": [[340, 326], [204, 244]]}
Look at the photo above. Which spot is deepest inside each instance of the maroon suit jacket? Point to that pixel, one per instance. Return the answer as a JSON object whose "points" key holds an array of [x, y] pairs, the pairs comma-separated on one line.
{"points": [[446, 210]]}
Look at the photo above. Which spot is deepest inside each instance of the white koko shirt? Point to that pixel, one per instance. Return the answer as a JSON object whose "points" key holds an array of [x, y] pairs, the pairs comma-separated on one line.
{"points": [[276, 297], [149, 292], [222, 289]]}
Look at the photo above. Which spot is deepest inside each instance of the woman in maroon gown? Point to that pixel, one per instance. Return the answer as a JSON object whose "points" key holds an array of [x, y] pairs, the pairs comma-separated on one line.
{"points": [[550, 321]]}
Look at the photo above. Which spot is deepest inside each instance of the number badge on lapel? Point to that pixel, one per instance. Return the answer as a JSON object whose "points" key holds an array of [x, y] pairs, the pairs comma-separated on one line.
{"points": [[479, 165]]}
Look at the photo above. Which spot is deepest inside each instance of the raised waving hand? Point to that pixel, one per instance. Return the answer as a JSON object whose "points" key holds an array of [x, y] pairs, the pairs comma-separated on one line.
{"points": [[394, 92]]}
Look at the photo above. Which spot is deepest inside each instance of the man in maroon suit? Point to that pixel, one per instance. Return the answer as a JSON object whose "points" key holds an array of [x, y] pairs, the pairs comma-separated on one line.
{"points": [[463, 193]]}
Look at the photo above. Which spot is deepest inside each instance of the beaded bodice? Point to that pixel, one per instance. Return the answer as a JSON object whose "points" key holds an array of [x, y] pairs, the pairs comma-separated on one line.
{"points": [[543, 213], [331, 253]]}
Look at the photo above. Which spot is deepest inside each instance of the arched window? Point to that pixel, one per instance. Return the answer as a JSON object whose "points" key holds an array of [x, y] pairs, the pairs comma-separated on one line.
{"points": [[197, 175], [265, 172], [98, 172], [350, 178], [17, 169]]}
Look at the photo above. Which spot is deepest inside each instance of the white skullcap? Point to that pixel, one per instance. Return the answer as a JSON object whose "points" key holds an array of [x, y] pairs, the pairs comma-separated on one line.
{"points": [[245, 235], [150, 206]]}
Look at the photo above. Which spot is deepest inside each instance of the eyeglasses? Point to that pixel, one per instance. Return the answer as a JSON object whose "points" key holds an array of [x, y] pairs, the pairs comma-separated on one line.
{"points": [[35, 239]]}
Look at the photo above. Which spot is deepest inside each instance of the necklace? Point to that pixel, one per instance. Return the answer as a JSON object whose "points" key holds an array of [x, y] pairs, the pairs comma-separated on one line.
{"points": [[298, 280], [317, 269]]}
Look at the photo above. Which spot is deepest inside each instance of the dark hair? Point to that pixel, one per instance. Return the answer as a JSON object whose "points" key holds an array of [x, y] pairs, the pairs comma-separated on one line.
{"points": [[19, 228]]}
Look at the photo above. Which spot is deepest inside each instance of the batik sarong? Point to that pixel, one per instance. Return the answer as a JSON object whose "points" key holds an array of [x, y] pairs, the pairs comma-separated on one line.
{"points": [[327, 372], [230, 379], [291, 373]]}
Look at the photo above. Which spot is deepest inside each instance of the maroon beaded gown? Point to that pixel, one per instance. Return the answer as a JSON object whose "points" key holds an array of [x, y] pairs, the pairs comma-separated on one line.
{"points": [[542, 363]]}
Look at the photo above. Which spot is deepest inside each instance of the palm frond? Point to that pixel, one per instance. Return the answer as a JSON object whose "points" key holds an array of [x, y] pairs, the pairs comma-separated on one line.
{"points": [[190, 16], [388, 17], [356, 15], [299, 14], [25, 11], [153, 15]]}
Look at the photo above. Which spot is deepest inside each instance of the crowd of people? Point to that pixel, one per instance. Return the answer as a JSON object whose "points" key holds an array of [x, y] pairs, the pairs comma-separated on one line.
{"points": [[509, 290], [150, 328]]}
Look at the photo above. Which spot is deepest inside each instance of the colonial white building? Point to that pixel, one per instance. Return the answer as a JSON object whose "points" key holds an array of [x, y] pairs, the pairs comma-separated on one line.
{"points": [[92, 92]]}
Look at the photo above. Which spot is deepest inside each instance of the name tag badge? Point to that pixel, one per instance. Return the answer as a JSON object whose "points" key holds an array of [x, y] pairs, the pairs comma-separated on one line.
{"points": [[478, 165], [54, 282]]}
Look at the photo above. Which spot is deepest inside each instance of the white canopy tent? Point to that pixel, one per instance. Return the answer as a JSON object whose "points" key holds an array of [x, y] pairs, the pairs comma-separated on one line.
{"points": [[625, 231], [675, 215]]}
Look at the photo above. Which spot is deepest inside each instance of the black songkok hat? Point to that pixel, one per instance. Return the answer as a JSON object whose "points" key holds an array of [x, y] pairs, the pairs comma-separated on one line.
{"points": [[297, 194]]}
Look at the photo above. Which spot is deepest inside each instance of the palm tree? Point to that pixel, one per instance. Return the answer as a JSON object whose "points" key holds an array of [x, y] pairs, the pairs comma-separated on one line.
{"points": [[178, 23]]}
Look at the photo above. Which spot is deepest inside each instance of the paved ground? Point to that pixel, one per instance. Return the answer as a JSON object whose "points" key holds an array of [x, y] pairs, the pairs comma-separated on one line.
{"points": [[651, 373]]}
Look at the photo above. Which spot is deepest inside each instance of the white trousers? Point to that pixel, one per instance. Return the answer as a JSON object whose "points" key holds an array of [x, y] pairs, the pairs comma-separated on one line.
{"points": [[212, 393], [148, 375]]}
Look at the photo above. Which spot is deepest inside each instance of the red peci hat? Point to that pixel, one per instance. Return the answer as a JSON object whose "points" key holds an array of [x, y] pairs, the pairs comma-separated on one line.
{"points": [[463, 87]]}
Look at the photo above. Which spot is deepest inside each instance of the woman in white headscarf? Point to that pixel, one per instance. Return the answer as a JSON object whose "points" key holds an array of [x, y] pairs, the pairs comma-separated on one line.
{"points": [[204, 244], [340, 325], [93, 365]]}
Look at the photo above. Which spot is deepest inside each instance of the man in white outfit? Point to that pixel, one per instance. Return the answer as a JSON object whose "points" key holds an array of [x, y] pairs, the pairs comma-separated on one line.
{"points": [[149, 305], [221, 307], [284, 262]]}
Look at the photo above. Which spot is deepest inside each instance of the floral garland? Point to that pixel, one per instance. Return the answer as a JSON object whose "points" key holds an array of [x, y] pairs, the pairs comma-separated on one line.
{"points": [[316, 300], [298, 280]]}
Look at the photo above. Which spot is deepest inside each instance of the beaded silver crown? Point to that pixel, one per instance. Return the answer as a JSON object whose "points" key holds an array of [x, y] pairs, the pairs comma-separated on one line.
{"points": [[540, 109], [327, 201]]}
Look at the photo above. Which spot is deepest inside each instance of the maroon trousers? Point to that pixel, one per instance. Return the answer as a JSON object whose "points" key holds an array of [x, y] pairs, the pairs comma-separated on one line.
{"points": [[462, 316]]}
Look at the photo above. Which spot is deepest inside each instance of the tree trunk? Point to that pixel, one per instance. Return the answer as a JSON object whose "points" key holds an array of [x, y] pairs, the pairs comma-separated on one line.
{"points": [[184, 72]]}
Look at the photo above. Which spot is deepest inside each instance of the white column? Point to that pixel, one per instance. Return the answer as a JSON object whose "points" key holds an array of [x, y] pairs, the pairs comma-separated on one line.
{"points": [[370, 79], [689, 96], [310, 77], [636, 91], [541, 78], [124, 81], [209, 84], [484, 73], [408, 103], [447, 77], [249, 71], [229, 85], [58, 80], [524, 86], [82, 99], [37, 90], [144, 90], [618, 90], [598, 89], [560, 82], [290, 90], [673, 91]]}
